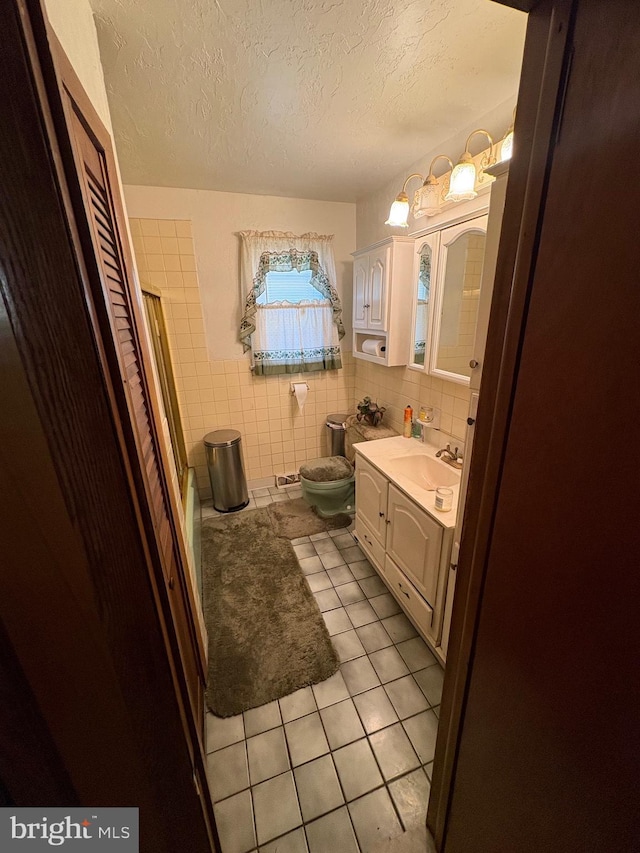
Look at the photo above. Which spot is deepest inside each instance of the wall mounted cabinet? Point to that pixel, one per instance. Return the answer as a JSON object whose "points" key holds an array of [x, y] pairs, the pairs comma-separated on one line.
{"points": [[382, 276], [446, 295], [456, 299]]}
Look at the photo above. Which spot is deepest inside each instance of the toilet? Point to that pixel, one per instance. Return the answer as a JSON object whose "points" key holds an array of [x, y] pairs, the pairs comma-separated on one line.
{"points": [[328, 484]]}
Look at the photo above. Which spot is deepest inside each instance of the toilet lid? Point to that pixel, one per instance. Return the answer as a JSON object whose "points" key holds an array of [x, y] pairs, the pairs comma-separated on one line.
{"points": [[327, 469]]}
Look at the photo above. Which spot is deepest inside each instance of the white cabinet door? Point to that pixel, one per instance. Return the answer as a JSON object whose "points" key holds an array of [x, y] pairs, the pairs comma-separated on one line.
{"points": [[371, 498], [425, 271], [414, 542], [456, 299], [360, 281], [377, 296]]}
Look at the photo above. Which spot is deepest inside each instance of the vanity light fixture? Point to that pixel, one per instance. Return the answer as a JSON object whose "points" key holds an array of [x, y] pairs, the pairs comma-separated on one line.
{"points": [[462, 181], [506, 147], [463, 178], [399, 213], [427, 199]]}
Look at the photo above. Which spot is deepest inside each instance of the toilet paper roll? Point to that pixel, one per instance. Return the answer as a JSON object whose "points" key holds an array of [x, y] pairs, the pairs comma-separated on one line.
{"points": [[300, 390], [373, 347]]}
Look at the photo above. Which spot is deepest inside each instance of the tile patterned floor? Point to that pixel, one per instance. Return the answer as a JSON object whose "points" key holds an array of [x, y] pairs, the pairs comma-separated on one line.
{"points": [[344, 765]]}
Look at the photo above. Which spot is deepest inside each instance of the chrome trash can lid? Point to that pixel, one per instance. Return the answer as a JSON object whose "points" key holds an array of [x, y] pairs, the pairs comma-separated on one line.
{"points": [[222, 438], [336, 421]]}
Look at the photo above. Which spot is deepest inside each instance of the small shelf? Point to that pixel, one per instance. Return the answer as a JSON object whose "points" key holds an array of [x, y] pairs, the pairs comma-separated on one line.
{"points": [[359, 336]]}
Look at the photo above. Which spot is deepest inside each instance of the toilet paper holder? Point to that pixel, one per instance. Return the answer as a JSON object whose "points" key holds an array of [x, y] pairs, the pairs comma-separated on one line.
{"points": [[292, 387]]}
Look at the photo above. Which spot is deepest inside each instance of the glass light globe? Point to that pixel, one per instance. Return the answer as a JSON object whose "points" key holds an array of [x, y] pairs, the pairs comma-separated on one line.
{"points": [[427, 200], [463, 181], [506, 149], [399, 213]]}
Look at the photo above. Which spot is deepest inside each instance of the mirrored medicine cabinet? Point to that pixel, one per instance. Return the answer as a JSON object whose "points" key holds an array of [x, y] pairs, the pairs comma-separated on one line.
{"points": [[446, 293]]}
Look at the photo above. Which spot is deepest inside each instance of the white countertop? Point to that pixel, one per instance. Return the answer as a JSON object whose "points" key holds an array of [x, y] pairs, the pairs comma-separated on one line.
{"points": [[381, 453]]}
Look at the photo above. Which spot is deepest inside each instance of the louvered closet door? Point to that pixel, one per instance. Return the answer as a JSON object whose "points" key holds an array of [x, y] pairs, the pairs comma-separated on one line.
{"points": [[122, 318]]}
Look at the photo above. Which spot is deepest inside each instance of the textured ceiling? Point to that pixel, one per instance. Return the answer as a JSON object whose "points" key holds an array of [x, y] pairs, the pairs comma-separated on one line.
{"points": [[323, 99]]}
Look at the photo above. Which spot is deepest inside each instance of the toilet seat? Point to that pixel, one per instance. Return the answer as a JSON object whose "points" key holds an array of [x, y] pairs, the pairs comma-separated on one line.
{"points": [[327, 469]]}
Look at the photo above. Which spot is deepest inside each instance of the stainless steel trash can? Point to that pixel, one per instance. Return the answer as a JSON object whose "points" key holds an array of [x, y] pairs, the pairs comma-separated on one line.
{"points": [[226, 470], [336, 428]]}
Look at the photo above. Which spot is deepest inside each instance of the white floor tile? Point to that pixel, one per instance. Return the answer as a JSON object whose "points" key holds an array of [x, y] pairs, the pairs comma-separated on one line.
{"points": [[293, 842], [297, 704], [306, 739], [234, 821], [411, 796], [318, 787], [393, 751], [422, 731], [430, 681], [375, 709], [357, 769], [275, 805], [223, 731], [330, 691], [416, 654], [374, 819], [262, 719], [406, 697], [342, 724], [267, 754], [227, 771], [332, 834]]}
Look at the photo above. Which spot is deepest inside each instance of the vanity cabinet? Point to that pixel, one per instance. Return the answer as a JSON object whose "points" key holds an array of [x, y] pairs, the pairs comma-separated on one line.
{"points": [[408, 548], [414, 542], [382, 276], [372, 487]]}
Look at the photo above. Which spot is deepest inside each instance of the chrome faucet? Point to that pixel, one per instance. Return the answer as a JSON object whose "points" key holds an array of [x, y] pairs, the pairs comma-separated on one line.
{"points": [[451, 457]]}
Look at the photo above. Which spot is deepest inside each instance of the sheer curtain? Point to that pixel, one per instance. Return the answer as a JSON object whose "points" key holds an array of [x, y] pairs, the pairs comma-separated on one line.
{"points": [[285, 337]]}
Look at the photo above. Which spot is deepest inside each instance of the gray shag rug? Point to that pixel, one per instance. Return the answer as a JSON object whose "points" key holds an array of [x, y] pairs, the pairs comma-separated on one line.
{"points": [[267, 637], [293, 519]]}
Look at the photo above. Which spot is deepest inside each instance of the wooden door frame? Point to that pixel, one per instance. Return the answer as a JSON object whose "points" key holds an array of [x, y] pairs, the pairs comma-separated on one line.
{"points": [[545, 68], [90, 653]]}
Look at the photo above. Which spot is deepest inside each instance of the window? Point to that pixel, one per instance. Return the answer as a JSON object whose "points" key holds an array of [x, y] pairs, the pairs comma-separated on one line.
{"points": [[292, 286], [292, 319]]}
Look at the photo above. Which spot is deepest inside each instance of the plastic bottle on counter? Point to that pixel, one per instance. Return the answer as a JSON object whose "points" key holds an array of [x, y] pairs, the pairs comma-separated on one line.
{"points": [[408, 418]]}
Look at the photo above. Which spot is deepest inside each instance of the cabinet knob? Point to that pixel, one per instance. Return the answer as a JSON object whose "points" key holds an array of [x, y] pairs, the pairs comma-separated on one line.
{"points": [[381, 514], [388, 521], [471, 421], [473, 363], [366, 305]]}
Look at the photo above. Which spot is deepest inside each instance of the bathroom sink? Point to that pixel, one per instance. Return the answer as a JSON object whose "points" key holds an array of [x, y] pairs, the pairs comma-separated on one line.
{"points": [[424, 471]]}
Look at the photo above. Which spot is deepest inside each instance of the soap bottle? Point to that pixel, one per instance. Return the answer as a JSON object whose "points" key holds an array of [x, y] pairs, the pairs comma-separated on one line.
{"points": [[408, 418]]}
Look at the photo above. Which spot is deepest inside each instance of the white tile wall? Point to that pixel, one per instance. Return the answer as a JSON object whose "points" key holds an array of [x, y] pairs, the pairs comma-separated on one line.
{"points": [[395, 387], [224, 393]]}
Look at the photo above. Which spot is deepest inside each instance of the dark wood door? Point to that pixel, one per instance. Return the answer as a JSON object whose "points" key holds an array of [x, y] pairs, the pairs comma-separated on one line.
{"points": [[115, 301], [97, 702], [548, 755]]}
